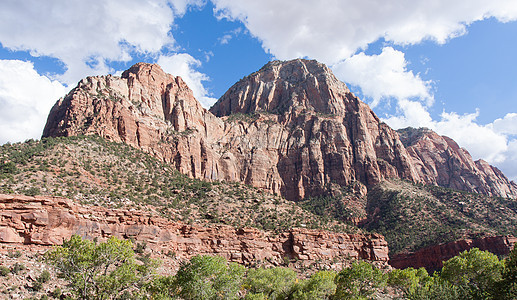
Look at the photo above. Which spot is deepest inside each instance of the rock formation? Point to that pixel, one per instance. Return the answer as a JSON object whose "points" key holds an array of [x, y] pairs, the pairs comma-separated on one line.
{"points": [[290, 128], [432, 257], [50, 220], [440, 161]]}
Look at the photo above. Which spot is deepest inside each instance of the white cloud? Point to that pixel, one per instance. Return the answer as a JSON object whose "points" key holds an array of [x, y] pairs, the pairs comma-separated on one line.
{"points": [[26, 99], [85, 35], [225, 39], [383, 76], [509, 165], [506, 125], [183, 65], [411, 114], [482, 141], [332, 30]]}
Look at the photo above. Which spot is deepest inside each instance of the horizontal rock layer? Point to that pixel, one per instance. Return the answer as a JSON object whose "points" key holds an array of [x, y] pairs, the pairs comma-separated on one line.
{"points": [[432, 257], [49, 220]]}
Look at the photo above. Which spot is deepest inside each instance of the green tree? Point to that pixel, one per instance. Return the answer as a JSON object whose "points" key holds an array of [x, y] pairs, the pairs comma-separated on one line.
{"points": [[8, 167], [437, 288], [209, 277], [320, 286], [507, 287], [408, 280], [273, 283], [100, 271], [360, 281], [475, 272]]}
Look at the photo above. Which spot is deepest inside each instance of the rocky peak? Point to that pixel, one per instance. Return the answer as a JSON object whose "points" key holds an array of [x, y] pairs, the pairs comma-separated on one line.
{"points": [[441, 161], [409, 136], [286, 88], [311, 135]]}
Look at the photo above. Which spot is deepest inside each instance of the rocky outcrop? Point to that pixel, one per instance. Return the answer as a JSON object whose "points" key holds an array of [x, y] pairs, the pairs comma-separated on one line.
{"points": [[49, 220], [432, 257], [330, 137], [290, 128], [440, 161]]}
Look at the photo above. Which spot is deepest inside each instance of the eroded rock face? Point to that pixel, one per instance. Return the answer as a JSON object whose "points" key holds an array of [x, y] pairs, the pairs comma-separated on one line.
{"points": [[432, 257], [290, 128], [51, 220], [440, 161], [330, 136]]}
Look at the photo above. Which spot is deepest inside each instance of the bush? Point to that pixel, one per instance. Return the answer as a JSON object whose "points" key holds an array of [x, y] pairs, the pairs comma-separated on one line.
{"points": [[4, 271], [359, 281], [7, 168], [273, 283], [15, 254], [209, 277], [474, 271], [44, 277], [507, 287], [56, 293], [17, 268], [408, 280], [36, 286], [100, 271], [320, 286]]}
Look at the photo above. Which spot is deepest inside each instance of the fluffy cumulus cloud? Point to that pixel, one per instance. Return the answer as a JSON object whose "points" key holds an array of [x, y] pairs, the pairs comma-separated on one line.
{"points": [[183, 65], [384, 76], [25, 99], [86, 35], [506, 125], [333, 30], [509, 167]]}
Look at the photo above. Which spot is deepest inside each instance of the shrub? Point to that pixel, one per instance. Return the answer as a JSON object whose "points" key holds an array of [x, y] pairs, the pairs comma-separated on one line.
{"points": [[359, 281], [4, 271], [15, 254], [17, 268], [56, 293], [507, 287], [100, 271], [44, 277], [320, 286], [209, 277], [474, 271], [273, 283], [408, 280]]}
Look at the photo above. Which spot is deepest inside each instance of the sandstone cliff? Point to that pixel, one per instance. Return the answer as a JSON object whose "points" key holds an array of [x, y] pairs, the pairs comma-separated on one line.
{"points": [[432, 257], [440, 161], [48, 221], [290, 128]]}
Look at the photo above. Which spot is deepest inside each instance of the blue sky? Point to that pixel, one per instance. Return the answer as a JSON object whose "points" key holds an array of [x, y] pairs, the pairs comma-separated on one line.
{"points": [[449, 66]]}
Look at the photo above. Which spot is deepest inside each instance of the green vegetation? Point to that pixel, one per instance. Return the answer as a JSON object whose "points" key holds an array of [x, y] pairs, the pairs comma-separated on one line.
{"points": [[93, 171], [344, 205], [209, 277], [100, 271], [361, 281], [412, 216], [4, 271], [110, 271]]}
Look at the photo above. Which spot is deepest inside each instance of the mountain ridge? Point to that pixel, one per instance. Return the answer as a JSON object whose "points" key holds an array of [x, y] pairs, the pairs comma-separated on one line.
{"points": [[291, 128]]}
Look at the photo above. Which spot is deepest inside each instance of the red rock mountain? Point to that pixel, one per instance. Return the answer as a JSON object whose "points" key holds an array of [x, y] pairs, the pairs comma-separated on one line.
{"points": [[291, 128], [440, 161]]}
